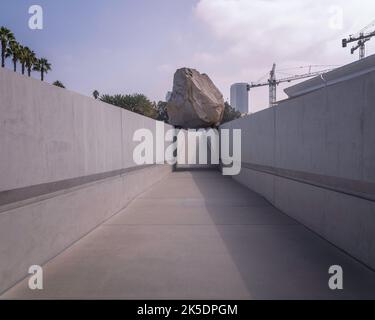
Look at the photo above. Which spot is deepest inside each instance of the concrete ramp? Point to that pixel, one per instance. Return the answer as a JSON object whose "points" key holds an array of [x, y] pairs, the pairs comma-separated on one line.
{"points": [[200, 235]]}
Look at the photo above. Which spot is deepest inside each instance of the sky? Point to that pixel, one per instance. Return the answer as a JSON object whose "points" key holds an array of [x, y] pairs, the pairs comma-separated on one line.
{"points": [[135, 46]]}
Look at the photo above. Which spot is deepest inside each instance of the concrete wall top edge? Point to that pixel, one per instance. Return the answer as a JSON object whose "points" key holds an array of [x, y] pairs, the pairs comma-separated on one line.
{"points": [[328, 132], [19, 77], [49, 134], [339, 74]]}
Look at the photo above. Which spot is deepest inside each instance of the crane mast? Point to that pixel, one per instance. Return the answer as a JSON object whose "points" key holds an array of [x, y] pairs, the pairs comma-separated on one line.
{"points": [[273, 82], [272, 86], [361, 37]]}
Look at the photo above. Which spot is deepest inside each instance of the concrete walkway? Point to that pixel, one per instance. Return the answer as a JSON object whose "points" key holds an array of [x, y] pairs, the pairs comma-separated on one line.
{"points": [[199, 235]]}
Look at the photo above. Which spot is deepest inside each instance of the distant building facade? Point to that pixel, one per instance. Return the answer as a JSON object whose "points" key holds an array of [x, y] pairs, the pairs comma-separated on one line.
{"points": [[239, 97]]}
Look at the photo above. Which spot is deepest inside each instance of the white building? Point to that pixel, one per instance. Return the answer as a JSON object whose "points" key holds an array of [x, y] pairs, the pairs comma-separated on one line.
{"points": [[239, 97]]}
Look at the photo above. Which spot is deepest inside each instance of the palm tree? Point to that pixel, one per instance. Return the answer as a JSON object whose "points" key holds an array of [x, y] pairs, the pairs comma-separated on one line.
{"points": [[58, 83], [43, 66], [30, 60], [14, 50], [5, 37], [23, 58], [96, 94]]}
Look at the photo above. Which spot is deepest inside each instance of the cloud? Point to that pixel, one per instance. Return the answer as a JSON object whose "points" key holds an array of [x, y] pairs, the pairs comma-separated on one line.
{"points": [[283, 26], [253, 34]]}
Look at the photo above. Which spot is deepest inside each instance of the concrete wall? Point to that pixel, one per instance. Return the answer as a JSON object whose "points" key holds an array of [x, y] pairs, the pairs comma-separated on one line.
{"points": [[194, 147], [313, 157], [66, 165]]}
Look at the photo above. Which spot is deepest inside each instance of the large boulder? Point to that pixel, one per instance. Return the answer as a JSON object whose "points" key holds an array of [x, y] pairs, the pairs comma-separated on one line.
{"points": [[195, 101]]}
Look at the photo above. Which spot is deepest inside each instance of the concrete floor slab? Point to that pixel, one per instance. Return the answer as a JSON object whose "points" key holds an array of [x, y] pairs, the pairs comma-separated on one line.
{"points": [[202, 236], [159, 212]]}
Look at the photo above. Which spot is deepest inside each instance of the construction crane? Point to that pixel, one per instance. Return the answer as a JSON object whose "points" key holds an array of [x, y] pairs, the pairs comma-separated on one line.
{"points": [[361, 37], [273, 82]]}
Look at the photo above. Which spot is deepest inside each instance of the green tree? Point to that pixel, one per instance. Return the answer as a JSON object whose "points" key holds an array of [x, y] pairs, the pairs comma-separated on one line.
{"points": [[230, 113], [162, 111], [96, 94], [30, 60], [43, 66], [14, 50], [58, 83], [6, 36], [138, 103]]}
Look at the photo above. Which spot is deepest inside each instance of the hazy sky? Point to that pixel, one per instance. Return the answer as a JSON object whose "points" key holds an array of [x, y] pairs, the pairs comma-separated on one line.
{"points": [[129, 46]]}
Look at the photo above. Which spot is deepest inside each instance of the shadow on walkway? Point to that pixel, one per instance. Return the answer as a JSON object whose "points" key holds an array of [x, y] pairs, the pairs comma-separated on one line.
{"points": [[199, 235], [277, 257]]}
